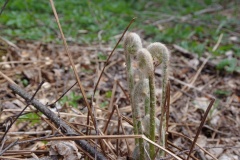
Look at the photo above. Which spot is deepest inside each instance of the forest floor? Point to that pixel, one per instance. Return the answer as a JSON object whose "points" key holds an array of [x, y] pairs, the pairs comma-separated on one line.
{"points": [[194, 82], [204, 44]]}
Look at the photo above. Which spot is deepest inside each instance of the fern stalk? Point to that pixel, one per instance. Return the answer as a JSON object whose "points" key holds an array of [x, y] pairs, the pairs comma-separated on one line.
{"points": [[132, 43], [160, 51], [145, 62], [141, 90]]}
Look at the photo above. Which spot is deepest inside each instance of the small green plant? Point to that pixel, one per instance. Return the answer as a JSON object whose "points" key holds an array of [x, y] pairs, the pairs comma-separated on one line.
{"points": [[222, 93], [72, 99], [30, 21], [229, 65], [104, 104], [32, 117], [108, 94], [101, 56], [142, 92], [25, 82]]}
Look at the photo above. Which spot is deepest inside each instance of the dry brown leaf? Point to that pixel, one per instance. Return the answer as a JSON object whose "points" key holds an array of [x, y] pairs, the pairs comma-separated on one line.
{"points": [[67, 149]]}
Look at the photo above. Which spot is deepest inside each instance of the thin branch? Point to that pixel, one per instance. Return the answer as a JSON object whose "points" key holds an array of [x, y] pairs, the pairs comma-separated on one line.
{"points": [[28, 104], [200, 127], [162, 148], [120, 117], [3, 7], [190, 140], [9, 146], [72, 63], [53, 104], [94, 137], [111, 55], [7, 78], [66, 129]]}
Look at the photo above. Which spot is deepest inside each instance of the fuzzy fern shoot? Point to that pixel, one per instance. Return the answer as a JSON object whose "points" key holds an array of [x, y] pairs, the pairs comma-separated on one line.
{"points": [[160, 51], [142, 92], [145, 62], [132, 43]]}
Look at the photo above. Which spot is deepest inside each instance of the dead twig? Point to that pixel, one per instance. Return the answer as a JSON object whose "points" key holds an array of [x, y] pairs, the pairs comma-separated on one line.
{"points": [[8, 147], [29, 101], [72, 64], [189, 139], [7, 78], [66, 129], [200, 127], [53, 104], [3, 7], [178, 94], [111, 56], [120, 118]]}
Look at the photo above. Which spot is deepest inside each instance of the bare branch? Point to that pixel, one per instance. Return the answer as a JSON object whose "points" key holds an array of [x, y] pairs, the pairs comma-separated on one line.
{"points": [[66, 129]]}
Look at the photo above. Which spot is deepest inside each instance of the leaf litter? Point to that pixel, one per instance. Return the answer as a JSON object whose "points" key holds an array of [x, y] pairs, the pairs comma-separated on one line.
{"points": [[37, 61]]}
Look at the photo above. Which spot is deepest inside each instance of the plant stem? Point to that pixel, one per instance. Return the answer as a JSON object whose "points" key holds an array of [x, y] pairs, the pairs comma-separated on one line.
{"points": [[160, 51], [145, 63], [141, 143], [132, 43], [61, 124], [147, 104], [141, 90], [163, 121], [131, 87], [152, 115]]}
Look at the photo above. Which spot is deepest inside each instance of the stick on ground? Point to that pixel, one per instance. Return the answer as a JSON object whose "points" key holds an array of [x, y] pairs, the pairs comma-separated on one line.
{"points": [[57, 121]]}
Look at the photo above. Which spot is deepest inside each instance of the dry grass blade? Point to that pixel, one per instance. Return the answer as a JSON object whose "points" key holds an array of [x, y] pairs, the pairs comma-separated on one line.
{"points": [[117, 142], [109, 118], [111, 55], [95, 137], [7, 78], [179, 153], [167, 109], [28, 104], [167, 151], [56, 120], [200, 127], [127, 96], [9, 158], [181, 135], [167, 106], [177, 95], [218, 43], [75, 71], [121, 87], [186, 88], [120, 118], [9, 146], [72, 63], [17, 152]]}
